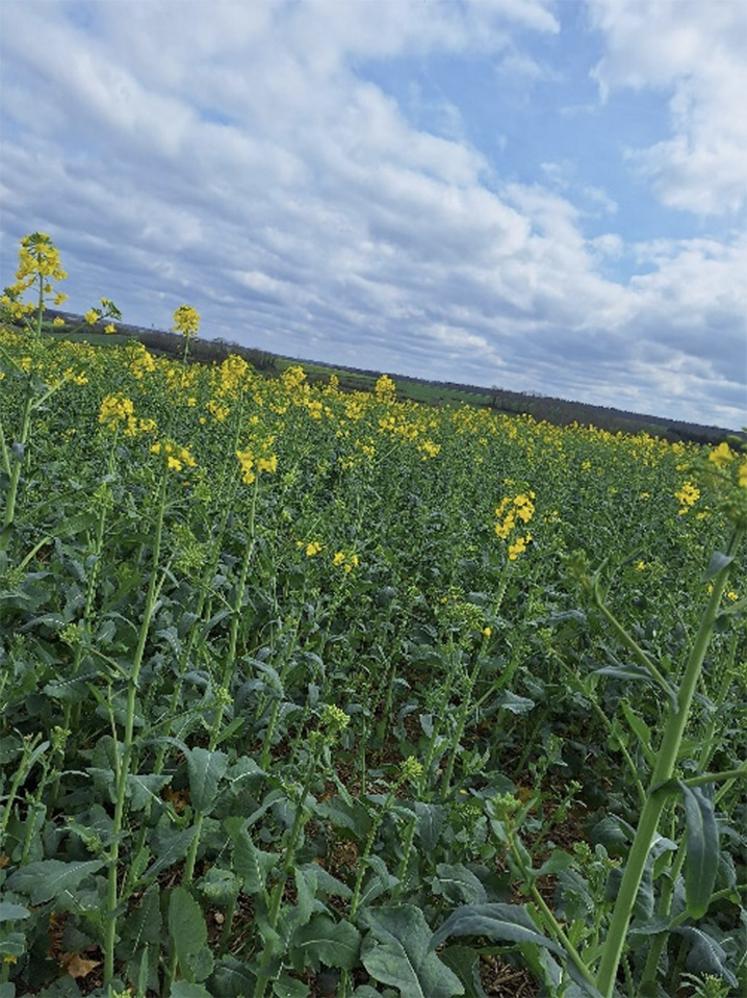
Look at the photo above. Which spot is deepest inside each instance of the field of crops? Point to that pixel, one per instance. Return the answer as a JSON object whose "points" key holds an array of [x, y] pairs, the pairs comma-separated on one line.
{"points": [[308, 692]]}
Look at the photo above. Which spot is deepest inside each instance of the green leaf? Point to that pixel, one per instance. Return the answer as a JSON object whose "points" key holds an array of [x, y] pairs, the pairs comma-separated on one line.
{"points": [[430, 820], [183, 989], [719, 561], [170, 848], [187, 929], [51, 878], [143, 924], [232, 979], [335, 944], [515, 704], [397, 952], [206, 769], [465, 962], [10, 912], [641, 730], [506, 922], [288, 987], [143, 789], [707, 955], [458, 884], [701, 861], [250, 863]]}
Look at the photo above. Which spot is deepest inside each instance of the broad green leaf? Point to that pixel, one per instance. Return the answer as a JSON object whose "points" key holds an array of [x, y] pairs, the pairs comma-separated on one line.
{"points": [[51, 878], [706, 955], [205, 769], [397, 952], [143, 922], [322, 940], [458, 884], [187, 930], [505, 922], [184, 989], [232, 979], [288, 987], [465, 962], [701, 860], [10, 912], [515, 704], [250, 863], [430, 820], [169, 849], [718, 562], [143, 789]]}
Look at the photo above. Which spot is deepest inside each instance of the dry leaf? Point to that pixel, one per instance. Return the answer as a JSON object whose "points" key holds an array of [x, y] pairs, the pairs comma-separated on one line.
{"points": [[177, 798], [77, 965]]}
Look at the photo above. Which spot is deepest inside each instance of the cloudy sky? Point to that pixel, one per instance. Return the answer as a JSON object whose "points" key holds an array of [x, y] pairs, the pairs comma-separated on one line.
{"points": [[546, 195]]}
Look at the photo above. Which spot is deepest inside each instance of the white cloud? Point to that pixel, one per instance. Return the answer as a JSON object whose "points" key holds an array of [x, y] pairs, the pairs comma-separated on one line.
{"points": [[696, 53]]}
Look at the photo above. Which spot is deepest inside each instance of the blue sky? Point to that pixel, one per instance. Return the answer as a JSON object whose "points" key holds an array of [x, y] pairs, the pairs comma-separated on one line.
{"points": [[546, 196]]}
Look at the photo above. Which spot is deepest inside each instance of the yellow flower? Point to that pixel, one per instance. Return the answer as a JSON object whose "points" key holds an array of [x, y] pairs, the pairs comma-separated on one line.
{"points": [[110, 328], [312, 549], [186, 321], [688, 495], [268, 464], [385, 388], [58, 321], [115, 409], [91, 316], [721, 455], [487, 632], [640, 566]]}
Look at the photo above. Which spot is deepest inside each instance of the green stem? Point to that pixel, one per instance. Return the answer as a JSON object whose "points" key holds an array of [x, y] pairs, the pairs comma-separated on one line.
{"points": [[664, 768], [124, 761], [15, 471]]}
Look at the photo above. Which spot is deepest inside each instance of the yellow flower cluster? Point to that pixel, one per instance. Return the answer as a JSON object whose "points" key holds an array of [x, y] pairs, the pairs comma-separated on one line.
{"points": [[38, 263], [186, 320], [722, 455], [118, 411], [293, 377], [311, 548], [107, 310], [429, 449], [233, 373], [115, 409], [518, 546], [76, 378], [346, 560], [177, 458], [509, 511], [142, 362], [217, 411], [385, 388], [252, 462], [688, 495]]}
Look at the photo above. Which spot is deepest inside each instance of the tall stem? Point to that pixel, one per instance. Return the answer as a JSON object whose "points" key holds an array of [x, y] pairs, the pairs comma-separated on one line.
{"points": [[15, 473], [665, 763], [124, 760]]}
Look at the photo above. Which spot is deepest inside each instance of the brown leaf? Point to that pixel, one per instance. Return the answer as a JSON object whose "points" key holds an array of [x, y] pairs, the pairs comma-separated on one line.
{"points": [[177, 798], [77, 965]]}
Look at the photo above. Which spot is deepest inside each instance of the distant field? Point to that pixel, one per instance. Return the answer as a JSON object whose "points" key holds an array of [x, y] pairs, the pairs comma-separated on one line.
{"points": [[559, 412]]}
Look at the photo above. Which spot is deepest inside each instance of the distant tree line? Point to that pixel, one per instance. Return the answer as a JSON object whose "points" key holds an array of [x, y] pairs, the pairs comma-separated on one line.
{"points": [[558, 411]]}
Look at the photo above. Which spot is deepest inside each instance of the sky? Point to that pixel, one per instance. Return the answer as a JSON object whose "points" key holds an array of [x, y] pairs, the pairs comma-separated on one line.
{"points": [[549, 196]]}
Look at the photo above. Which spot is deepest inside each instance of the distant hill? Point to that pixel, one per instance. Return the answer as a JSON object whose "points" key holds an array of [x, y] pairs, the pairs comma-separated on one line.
{"points": [[558, 411]]}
